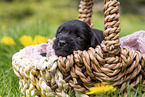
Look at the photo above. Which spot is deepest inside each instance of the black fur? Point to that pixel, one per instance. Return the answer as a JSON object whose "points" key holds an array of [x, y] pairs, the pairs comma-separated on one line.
{"points": [[75, 35]]}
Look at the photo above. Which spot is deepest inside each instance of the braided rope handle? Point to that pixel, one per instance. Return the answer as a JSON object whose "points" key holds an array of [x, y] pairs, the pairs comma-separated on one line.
{"points": [[111, 45], [86, 12]]}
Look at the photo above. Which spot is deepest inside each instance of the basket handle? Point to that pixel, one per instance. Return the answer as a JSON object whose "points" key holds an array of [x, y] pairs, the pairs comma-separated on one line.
{"points": [[111, 45], [85, 11]]}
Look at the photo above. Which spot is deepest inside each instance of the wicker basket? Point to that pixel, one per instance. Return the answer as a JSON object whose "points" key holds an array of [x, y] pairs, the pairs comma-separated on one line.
{"points": [[108, 62]]}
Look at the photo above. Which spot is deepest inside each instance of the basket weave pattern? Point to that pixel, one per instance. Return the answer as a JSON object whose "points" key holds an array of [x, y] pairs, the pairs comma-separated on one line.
{"points": [[108, 62]]}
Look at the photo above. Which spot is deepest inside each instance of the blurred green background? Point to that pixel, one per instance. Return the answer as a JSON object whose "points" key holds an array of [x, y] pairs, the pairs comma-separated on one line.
{"points": [[51, 13], [42, 17]]}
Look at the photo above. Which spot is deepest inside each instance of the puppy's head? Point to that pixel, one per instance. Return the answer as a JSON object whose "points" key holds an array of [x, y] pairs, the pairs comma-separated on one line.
{"points": [[72, 35]]}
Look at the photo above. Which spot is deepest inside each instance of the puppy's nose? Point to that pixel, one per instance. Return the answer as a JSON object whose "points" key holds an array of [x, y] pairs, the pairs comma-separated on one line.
{"points": [[61, 42]]}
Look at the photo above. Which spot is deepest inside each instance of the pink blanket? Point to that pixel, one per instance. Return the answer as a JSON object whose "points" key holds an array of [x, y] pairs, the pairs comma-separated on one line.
{"points": [[134, 41], [34, 52]]}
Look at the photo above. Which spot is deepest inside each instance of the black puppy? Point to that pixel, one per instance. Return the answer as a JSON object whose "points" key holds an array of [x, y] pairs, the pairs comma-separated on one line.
{"points": [[75, 35]]}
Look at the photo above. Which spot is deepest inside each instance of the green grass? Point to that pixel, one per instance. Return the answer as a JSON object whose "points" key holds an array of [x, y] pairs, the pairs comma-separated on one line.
{"points": [[43, 18], [8, 80]]}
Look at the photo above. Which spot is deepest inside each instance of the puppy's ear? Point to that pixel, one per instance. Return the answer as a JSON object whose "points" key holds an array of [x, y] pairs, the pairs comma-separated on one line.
{"points": [[93, 41], [96, 37]]}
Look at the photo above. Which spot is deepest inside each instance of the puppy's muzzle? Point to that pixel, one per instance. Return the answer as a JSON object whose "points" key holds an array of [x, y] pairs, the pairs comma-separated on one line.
{"points": [[61, 43]]}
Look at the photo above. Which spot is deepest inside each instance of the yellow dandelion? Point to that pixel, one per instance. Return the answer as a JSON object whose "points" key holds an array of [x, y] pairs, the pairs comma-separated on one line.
{"points": [[39, 39], [26, 40], [101, 88], [99, 84], [7, 40]]}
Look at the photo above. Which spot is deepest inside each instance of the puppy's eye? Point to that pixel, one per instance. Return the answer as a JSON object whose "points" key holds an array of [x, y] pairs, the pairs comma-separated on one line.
{"points": [[78, 37], [59, 33]]}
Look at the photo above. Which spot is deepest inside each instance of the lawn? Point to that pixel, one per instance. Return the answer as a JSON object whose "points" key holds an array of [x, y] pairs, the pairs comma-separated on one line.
{"points": [[43, 18]]}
